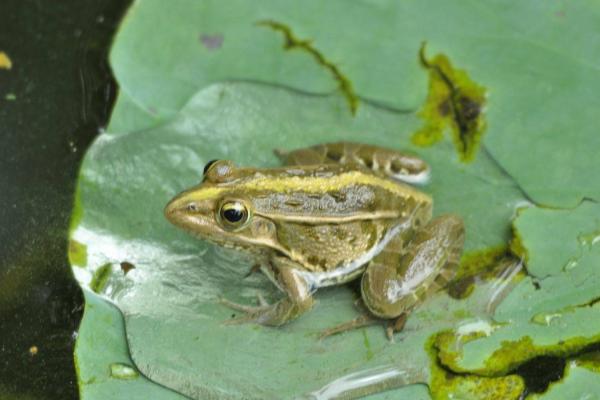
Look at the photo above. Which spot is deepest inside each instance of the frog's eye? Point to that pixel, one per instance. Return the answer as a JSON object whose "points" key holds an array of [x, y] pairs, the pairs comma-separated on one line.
{"points": [[233, 215], [208, 165], [218, 171]]}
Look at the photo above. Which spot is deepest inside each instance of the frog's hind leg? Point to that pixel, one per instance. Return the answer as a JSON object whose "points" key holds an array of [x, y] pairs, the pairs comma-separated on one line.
{"points": [[382, 161], [403, 276]]}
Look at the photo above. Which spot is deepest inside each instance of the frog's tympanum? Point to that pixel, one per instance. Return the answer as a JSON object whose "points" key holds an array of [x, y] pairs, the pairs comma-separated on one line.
{"points": [[334, 213]]}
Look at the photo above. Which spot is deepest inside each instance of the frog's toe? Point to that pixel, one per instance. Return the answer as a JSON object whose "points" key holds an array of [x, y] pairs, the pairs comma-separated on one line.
{"points": [[358, 322], [263, 305], [395, 325]]}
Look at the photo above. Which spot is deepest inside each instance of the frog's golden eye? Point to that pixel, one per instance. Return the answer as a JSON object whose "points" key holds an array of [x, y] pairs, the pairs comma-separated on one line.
{"points": [[233, 215]]}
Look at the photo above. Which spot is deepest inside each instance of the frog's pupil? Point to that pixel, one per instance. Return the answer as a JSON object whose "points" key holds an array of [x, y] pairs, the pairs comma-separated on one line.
{"points": [[208, 165], [233, 214]]}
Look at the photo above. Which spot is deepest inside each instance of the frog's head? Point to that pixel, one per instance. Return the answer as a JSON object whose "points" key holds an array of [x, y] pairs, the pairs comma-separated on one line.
{"points": [[219, 209]]}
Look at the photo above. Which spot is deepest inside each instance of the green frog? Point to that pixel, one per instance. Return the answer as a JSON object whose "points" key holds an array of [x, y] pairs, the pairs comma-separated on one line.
{"points": [[335, 212]]}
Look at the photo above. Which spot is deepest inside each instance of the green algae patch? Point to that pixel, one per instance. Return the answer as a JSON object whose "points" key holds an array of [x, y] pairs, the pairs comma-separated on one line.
{"points": [[294, 43], [578, 382], [455, 102], [590, 361], [101, 277], [554, 312], [516, 245], [445, 384], [477, 266], [77, 253], [509, 356]]}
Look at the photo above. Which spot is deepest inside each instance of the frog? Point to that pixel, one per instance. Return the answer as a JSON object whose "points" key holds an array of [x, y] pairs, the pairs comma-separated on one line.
{"points": [[331, 214]]}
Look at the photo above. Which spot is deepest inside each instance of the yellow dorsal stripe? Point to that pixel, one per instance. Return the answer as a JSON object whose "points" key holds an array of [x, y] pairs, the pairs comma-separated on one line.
{"points": [[314, 185]]}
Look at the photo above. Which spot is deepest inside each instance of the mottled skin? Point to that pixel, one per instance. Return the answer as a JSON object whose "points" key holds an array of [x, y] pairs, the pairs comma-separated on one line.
{"points": [[335, 212]]}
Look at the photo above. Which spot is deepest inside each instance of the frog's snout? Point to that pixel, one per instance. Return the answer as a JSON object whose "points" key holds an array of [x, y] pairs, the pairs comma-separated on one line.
{"points": [[177, 209]]}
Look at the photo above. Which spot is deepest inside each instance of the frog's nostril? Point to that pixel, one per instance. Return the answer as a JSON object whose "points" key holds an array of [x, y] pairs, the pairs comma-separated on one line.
{"points": [[192, 207]]}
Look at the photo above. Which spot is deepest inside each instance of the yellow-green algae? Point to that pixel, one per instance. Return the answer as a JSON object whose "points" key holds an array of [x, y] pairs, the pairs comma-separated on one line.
{"points": [[77, 213], [77, 253], [445, 384], [474, 262], [589, 361], [516, 245], [292, 42], [511, 353], [481, 264], [100, 278], [454, 101]]}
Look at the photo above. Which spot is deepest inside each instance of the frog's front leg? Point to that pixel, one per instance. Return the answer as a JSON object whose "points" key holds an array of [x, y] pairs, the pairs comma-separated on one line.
{"points": [[382, 161], [403, 275], [298, 298]]}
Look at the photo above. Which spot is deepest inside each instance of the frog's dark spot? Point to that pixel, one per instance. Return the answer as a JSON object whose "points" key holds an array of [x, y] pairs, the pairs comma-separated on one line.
{"points": [[334, 155], [536, 285], [339, 197], [340, 234], [293, 203], [396, 167], [232, 315]]}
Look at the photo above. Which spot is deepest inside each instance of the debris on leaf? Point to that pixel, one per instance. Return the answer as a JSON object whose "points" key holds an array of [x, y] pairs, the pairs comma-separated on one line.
{"points": [[292, 42], [454, 102]]}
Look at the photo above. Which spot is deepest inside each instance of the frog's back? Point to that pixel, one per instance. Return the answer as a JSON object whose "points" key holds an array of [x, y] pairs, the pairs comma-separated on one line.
{"points": [[328, 193]]}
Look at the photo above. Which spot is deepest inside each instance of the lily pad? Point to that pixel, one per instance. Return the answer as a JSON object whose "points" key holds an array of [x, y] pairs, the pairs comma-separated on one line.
{"points": [[110, 373], [541, 78], [581, 381], [174, 323], [171, 117], [556, 310]]}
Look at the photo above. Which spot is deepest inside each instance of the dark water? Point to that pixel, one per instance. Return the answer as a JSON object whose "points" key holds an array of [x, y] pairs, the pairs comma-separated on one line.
{"points": [[52, 102]]}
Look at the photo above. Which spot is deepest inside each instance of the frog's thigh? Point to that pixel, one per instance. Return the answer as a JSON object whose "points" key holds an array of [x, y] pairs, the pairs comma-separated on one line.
{"points": [[397, 280], [383, 161]]}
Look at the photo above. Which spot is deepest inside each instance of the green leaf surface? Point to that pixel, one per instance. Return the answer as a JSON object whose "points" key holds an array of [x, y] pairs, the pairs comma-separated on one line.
{"points": [[101, 349], [556, 311], [581, 381], [538, 64], [538, 61], [174, 324]]}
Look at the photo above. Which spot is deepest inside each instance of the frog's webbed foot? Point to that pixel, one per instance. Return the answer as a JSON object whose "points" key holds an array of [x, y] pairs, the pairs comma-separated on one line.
{"points": [[251, 313], [395, 325], [298, 300], [254, 269], [358, 322], [391, 326]]}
